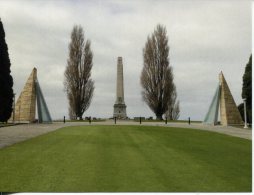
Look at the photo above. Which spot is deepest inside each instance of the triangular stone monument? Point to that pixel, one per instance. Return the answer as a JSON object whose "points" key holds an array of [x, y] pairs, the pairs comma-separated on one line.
{"points": [[25, 106], [229, 113]]}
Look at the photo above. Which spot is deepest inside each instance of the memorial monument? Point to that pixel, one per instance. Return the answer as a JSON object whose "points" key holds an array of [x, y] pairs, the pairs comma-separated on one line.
{"points": [[119, 106], [229, 113], [25, 107]]}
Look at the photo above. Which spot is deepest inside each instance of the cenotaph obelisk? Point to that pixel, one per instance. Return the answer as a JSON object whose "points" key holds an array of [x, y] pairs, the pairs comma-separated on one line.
{"points": [[119, 106]]}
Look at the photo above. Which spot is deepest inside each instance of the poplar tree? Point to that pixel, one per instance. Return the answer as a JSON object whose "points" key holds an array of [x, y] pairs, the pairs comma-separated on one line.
{"points": [[157, 74], [78, 83]]}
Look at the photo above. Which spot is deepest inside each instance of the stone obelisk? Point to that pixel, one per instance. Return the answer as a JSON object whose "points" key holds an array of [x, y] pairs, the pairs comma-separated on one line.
{"points": [[119, 106]]}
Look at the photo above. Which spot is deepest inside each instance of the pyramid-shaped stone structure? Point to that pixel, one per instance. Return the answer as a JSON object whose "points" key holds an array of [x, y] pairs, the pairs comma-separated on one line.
{"points": [[25, 108], [229, 113]]}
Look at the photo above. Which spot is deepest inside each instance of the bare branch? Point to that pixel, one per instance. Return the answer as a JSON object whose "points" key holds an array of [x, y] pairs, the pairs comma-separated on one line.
{"points": [[157, 77], [78, 84]]}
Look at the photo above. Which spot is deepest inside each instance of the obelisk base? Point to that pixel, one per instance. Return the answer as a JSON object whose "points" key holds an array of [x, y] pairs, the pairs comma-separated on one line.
{"points": [[120, 111]]}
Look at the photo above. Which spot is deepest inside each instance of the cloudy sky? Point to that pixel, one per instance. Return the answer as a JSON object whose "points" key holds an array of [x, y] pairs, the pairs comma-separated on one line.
{"points": [[205, 37]]}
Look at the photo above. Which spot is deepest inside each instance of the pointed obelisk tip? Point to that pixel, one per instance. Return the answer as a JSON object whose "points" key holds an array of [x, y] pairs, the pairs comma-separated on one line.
{"points": [[119, 60]]}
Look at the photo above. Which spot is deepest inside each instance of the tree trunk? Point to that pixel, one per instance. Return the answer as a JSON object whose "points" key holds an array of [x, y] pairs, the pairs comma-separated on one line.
{"points": [[159, 117]]}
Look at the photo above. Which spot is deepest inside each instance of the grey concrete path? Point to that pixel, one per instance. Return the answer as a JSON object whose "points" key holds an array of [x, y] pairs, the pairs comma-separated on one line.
{"points": [[228, 130], [14, 134]]}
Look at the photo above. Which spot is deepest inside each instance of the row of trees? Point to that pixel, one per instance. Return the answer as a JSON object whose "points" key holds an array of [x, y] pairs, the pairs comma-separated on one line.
{"points": [[157, 80], [159, 90]]}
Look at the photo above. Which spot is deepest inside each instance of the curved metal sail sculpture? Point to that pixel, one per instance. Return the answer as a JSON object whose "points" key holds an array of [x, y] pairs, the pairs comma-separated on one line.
{"points": [[43, 112], [212, 114]]}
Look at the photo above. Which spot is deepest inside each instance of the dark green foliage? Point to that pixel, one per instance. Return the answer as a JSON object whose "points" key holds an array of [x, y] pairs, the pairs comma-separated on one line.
{"points": [[6, 81], [247, 89], [241, 110], [127, 159]]}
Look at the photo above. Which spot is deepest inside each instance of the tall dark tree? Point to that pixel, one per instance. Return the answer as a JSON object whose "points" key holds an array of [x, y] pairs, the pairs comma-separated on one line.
{"points": [[157, 77], [78, 83], [241, 110], [247, 89], [6, 81]]}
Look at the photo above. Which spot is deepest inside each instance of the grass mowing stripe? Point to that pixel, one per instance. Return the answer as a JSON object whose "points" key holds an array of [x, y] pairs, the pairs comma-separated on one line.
{"points": [[127, 158], [187, 170]]}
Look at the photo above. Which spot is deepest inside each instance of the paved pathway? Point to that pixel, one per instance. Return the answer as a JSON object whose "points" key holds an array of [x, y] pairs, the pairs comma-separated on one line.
{"points": [[13, 134], [228, 130]]}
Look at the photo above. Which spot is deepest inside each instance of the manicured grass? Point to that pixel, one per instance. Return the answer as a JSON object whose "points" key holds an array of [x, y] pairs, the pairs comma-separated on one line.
{"points": [[127, 159]]}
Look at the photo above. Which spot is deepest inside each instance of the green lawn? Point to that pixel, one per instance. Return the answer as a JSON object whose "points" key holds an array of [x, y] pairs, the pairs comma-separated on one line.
{"points": [[127, 159]]}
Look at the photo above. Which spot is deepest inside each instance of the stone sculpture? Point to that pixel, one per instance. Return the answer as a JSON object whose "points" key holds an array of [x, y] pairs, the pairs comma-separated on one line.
{"points": [[229, 113], [26, 103]]}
